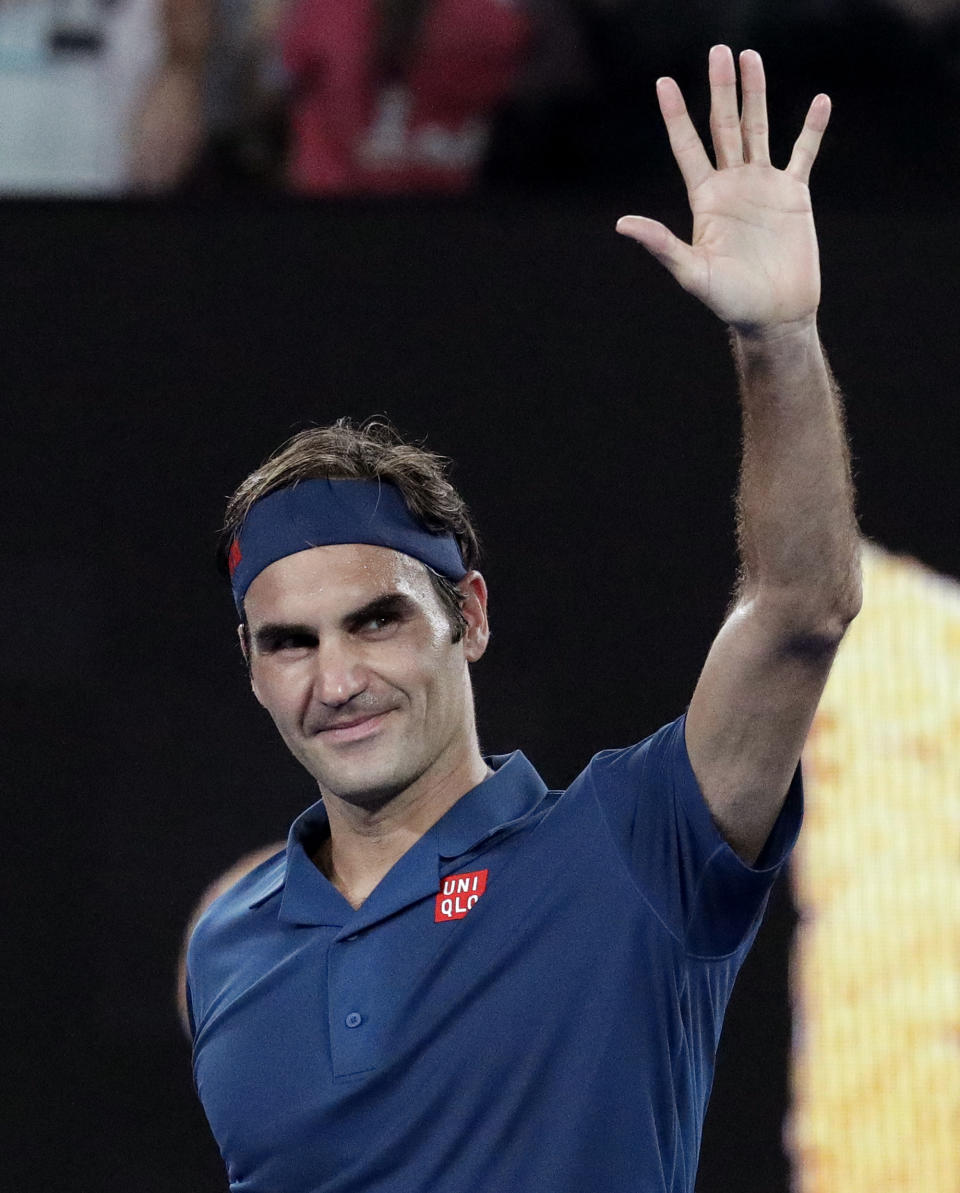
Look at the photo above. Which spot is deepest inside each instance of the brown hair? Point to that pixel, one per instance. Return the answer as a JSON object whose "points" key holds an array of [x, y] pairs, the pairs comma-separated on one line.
{"points": [[373, 450]]}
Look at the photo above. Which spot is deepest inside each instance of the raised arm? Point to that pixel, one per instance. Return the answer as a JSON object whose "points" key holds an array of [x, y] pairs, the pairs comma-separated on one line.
{"points": [[753, 260]]}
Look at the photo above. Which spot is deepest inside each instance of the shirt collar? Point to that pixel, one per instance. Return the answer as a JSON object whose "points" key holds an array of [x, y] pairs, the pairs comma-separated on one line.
{"points": [[502, 800]]}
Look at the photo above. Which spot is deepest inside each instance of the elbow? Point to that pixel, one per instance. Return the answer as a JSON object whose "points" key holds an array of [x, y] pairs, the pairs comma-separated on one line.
{"points": [[848, 598], [810, 625], [814, 645], [816, 633]]}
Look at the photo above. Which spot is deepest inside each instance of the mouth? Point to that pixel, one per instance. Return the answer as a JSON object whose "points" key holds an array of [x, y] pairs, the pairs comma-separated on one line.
{"points": [[354, 730]]}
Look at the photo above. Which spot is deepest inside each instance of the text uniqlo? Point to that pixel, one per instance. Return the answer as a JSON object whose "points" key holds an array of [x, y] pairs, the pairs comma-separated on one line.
{"points": [[458, 894]]}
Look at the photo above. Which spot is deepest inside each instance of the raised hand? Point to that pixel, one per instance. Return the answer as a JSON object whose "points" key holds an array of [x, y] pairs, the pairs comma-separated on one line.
{"points": [[753, 259]]}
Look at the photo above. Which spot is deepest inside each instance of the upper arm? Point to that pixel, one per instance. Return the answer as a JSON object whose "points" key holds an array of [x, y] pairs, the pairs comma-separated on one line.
{"points": [[706, 896], [750, 715]]}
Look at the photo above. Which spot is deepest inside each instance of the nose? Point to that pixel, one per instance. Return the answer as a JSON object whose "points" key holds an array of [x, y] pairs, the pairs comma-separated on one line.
{"points": [[340, 674]]}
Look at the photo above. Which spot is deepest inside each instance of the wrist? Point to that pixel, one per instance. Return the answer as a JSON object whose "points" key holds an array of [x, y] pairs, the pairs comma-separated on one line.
{"points": [[760, 335], [785, 351]]}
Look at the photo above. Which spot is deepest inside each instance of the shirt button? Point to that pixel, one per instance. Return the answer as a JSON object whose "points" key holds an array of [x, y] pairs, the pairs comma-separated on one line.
{"points": [[354, 1019]]}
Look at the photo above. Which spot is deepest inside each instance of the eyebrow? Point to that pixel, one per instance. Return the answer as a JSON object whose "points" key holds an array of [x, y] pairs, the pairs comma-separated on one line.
{"points": [[390, 604]]}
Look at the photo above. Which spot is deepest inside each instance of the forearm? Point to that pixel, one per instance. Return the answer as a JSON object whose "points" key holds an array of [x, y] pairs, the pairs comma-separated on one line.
{"points": [[797, 532]]}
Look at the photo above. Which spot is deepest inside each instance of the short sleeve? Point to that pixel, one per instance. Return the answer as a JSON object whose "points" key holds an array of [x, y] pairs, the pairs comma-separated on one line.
{"points": [[705, 895]]}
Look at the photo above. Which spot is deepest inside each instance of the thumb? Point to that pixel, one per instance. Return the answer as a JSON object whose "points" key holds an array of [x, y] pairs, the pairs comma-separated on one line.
{"points": [[672, 253]]}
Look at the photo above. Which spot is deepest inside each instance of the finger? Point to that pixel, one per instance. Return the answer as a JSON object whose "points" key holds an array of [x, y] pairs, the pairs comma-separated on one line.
{"points": [[676, 256], [808, 143], [688, 150], [724, 113], [753, 118]]}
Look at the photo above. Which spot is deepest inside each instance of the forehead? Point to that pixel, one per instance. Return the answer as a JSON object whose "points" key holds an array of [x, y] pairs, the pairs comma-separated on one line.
{"points": [[332, 580]]}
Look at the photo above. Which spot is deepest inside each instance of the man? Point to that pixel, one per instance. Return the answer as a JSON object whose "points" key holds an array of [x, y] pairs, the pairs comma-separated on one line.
{"points": [[452, 978]]}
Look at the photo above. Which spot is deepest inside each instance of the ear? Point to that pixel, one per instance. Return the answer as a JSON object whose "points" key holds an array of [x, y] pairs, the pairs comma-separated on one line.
{"points": [[244, 635], [477, 635]]}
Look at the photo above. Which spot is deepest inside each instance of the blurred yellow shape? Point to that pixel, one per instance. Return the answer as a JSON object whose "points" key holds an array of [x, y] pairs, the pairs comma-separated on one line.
{"points": [[876, 966]]}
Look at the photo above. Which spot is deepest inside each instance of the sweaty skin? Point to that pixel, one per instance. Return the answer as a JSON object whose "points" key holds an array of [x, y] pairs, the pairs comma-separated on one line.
{"points": [[351, 654], [753, 261]]}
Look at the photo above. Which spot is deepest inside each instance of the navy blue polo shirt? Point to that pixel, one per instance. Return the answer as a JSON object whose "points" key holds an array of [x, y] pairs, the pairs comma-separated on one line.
{"points": [[529, 1002]]}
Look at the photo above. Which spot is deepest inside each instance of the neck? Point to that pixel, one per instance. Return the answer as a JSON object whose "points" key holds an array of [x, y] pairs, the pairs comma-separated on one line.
{"points": [[365, 843]]}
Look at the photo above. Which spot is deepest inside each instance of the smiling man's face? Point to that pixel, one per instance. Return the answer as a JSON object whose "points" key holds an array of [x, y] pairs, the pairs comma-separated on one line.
{"points": [[350, 652]]}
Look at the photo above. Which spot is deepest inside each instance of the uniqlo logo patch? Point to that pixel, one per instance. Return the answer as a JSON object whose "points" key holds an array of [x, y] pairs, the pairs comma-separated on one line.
{"points": [[458, 894], [234, 557]]}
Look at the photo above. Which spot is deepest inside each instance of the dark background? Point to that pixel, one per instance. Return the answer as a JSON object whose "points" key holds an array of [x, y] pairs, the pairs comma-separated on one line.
{"points": [[154, 353]]}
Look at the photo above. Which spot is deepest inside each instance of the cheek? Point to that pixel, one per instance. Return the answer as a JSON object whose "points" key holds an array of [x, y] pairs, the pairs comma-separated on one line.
{"points": [[447, 680], [280, 693], [426, 670]]}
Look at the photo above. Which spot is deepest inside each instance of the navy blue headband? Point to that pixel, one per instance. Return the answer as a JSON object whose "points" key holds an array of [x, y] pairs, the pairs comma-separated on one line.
{"points": [[318, 513]]}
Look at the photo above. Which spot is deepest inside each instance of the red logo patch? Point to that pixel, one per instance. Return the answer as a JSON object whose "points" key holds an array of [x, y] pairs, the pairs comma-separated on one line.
{"points": [[234, 557], [458, 894]]}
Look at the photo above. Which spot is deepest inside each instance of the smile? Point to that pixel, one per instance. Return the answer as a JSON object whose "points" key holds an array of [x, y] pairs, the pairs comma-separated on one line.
{"points": [[354, 730]]}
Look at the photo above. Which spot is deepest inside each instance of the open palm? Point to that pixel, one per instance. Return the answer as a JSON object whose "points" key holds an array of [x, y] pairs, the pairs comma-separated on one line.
{"points": [[753, 257]]}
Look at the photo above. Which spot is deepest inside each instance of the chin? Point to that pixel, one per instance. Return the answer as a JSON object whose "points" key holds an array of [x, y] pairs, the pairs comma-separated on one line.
{"points": [[367, 786]]}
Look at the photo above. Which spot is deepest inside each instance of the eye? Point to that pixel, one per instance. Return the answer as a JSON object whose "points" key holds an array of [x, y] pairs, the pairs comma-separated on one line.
{"points": [[379, 624], [291, 642]]}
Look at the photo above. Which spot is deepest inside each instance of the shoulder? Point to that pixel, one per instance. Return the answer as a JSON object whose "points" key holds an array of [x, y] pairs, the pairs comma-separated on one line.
{"points": [[658, 759], [644, 792], [251, 878]]}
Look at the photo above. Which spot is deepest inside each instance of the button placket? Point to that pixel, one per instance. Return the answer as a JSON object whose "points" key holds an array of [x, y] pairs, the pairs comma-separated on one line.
{"points": [[354, 1043]]}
